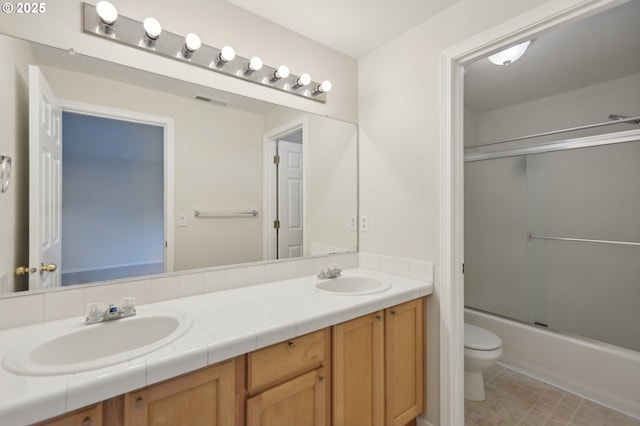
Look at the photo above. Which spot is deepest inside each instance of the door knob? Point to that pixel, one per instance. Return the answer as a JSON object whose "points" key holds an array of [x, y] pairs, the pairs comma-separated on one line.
{"points": [[51, 267], [21, 270]]}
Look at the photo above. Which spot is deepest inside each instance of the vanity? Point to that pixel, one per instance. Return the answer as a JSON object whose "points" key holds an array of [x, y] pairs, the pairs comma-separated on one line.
{"points": [[252, 355]]}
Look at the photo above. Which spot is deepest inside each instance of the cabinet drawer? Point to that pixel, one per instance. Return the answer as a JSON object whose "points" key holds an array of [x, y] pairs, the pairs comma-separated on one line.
{"points": [[282, 361], [91, 416]]}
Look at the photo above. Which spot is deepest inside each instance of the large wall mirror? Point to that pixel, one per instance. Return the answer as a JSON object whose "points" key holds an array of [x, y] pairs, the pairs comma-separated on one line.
{"points": [[120, 173]]}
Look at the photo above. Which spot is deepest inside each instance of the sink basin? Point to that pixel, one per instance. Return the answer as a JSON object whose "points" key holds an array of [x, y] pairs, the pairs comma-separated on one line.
{"points": [[82, 347], [351, 285]]}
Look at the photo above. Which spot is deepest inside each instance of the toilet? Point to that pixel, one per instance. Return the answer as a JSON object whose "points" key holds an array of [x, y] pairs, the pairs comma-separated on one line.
{"points": [[482, 349]]}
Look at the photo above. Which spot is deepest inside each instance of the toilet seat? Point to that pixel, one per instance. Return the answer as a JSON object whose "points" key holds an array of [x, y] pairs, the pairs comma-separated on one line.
{"points": [[480, 339]]}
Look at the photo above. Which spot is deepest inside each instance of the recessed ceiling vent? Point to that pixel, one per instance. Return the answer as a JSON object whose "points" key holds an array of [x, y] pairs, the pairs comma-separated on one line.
{"points": [[210, 100]]}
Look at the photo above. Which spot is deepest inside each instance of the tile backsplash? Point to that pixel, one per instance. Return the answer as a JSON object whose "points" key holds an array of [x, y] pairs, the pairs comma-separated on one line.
{"points": [[21, 309], [408, 268], [35, 307]]}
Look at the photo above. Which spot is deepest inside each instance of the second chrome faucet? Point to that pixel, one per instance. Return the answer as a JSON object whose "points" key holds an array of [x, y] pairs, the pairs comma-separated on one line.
{"points": [[332, 272], [97, 312]]}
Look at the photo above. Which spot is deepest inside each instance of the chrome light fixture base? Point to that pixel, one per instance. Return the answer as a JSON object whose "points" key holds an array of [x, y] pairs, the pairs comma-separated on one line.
{"points": [[131, 33]]}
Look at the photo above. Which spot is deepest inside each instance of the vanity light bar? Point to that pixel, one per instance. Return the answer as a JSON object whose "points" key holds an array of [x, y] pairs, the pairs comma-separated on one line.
{"points": [[121, 29]]}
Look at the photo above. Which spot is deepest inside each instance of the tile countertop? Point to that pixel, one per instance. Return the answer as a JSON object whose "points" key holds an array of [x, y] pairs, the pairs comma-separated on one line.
{"points": [[225, 324]]}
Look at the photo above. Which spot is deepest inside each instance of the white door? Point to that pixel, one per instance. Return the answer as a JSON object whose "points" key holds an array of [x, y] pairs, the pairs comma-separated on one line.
{"points": [[290, 200], [45, 183]]}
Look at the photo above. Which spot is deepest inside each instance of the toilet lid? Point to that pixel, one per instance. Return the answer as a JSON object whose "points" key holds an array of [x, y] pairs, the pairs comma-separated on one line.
{"points": [[480, 339]]}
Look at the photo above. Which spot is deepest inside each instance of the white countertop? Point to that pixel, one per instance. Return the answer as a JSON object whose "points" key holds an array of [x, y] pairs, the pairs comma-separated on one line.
{"points": [[225, 324]]}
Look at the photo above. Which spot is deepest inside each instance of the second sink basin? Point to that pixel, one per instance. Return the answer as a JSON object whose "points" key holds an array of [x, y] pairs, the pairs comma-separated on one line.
{"points": [[351, 285], [86, 347]]}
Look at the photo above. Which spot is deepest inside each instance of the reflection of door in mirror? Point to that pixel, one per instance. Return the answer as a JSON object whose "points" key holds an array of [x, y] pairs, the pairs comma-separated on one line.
{"points": [[110, 193], [45, 168], [290, 193]]}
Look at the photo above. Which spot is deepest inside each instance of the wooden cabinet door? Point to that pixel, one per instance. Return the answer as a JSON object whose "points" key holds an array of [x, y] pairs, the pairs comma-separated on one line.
{"points": [[358, 371], [405, 362], [206, 397], [297, 402], [91, 416]]}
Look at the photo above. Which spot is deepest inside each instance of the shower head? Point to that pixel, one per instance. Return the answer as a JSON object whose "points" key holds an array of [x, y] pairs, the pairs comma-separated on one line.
{"points": [[624, 117]]}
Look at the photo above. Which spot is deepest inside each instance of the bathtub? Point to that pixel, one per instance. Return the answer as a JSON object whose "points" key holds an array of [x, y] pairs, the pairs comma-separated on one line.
{"points": [[604, 373]]}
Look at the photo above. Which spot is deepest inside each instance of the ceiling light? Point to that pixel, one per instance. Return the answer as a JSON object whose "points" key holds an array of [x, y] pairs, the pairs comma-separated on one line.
{"points": [[191, 44], [510, 55], [303, 80]]}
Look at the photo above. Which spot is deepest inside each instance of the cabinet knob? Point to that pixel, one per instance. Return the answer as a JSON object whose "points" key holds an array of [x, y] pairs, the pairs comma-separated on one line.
{"points": [[292, 344], [88, 421], [322, 378], [394, 313], [139, 402], [379, 317]]}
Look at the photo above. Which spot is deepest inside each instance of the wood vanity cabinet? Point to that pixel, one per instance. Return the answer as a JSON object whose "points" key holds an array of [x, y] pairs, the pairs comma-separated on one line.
{"points": [[205, 397], [378, 367], [289, 382], [367, 371]]}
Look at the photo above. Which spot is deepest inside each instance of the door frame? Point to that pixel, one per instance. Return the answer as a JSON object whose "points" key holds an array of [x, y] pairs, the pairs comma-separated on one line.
{"points": [[450, 279], [168, 124], [269, 183]]}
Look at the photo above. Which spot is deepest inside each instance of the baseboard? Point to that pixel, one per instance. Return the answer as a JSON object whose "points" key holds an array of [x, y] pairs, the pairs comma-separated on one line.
{"points": [[421, 421]]}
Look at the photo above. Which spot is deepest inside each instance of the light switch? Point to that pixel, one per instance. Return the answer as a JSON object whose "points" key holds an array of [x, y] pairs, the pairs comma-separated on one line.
{"points": [[364, 223], [182, 219], [353, 223]]}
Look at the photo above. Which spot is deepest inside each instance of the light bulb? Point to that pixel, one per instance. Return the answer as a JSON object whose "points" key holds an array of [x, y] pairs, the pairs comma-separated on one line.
{"points": [[227, 54], [255, 64], [281, 72], [191, 44], [107, 12], [303, 80], [152, 28], [323, 87]]}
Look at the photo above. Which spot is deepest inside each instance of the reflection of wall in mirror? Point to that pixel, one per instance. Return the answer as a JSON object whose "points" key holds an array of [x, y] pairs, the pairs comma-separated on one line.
{"points": [[14, 122], [217, 165], [332, 179]]}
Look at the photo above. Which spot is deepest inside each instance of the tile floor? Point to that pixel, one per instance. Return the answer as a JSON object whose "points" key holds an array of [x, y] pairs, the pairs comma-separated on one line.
{"points": [[516, 399]]}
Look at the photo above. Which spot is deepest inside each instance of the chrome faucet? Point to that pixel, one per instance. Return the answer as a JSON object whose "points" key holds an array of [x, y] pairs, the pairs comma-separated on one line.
{"points": [[99, 313], [332, 272]]}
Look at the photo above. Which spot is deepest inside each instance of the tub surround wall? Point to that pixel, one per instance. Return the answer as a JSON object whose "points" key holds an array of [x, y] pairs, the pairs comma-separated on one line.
{"points": [[606, 374]]}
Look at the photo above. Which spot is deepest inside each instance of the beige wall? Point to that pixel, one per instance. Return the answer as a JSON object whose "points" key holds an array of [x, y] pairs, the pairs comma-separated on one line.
{"points": [[218, 23], [399, 89], [331, 185], [591, 104], [14, 124]]}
